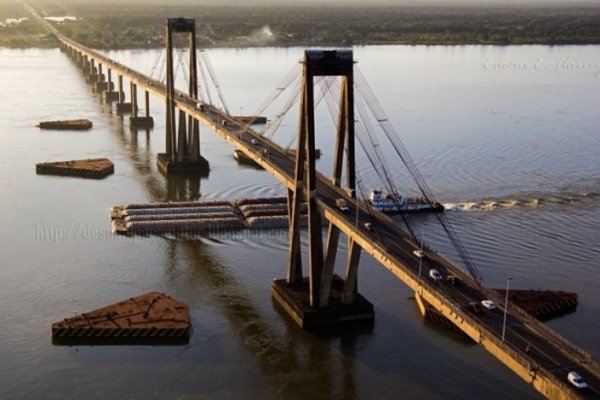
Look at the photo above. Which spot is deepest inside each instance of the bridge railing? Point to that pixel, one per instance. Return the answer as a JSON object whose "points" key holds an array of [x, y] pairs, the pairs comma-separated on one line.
{"points": [[515, 354], [534, 368], [584, 356]]}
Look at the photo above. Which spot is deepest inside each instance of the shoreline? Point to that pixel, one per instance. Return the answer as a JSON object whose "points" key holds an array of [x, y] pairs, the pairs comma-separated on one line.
{"points": [[305, 26]]}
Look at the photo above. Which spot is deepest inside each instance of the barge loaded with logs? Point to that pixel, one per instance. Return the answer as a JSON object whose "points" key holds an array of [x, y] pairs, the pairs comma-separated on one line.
{"points": [[69, 124], [210, 216], [93, 168], [152, 318]]}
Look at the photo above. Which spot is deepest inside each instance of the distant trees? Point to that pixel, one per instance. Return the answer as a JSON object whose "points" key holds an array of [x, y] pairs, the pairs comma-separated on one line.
{"points": [[135, 26]]}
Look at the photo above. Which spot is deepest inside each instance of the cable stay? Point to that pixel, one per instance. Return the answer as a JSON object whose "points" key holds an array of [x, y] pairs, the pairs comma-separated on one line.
{"points": [[153, 73], [291, 78], [365, 105], [184, 64], [203, 77], [213, 77], [368, 98]]}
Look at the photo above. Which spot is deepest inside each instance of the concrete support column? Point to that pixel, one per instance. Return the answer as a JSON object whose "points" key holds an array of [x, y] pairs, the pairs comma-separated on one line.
{"points": [[101, 77], [147, 94], [133, 95], [122, 106], [110, 95], [350, 285], [136, 121], [181, 137], [327, 275], [121, 92]]}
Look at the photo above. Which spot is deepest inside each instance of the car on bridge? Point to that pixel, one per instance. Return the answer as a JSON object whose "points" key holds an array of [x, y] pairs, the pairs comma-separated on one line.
{"points": [[435, 275], [342, 205], [489, 304], [369, 226], [576, 380], [475, 307]]}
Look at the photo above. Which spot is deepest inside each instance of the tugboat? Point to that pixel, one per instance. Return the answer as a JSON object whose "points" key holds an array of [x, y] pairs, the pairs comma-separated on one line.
{"points": [[397, 204]]}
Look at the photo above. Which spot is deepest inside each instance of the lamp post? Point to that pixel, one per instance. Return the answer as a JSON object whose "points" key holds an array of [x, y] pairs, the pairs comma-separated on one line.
{"points": [[505, 306]]}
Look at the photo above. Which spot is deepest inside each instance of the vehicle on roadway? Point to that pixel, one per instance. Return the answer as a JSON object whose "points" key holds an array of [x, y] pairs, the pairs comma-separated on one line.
{"points": [[369, 226], [576, 380], [341, 205], [475, 307], [489, 304], [435, 275], [419, 253], [254, 141]]}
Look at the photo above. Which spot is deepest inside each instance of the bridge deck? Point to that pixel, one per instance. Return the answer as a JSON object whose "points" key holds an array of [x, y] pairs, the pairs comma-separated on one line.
{"points": [[550, 357]]}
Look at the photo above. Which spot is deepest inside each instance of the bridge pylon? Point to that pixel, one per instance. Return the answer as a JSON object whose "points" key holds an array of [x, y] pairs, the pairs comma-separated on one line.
{"points": [[322, 298], [182, 150]]}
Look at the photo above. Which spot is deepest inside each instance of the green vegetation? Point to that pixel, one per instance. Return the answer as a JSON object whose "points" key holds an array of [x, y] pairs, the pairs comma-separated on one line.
{"points": [[135, 26]]}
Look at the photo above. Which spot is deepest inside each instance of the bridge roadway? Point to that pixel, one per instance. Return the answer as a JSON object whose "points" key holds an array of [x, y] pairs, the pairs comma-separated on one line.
{"points": [[550, 357]]}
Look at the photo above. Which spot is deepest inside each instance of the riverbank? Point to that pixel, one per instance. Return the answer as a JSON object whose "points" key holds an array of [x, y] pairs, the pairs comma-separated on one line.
{"points": [[98, 26]]}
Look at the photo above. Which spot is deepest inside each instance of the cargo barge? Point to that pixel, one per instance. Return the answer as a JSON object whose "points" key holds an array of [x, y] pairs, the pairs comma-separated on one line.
{"points": [[69, 124], [202, 217]]}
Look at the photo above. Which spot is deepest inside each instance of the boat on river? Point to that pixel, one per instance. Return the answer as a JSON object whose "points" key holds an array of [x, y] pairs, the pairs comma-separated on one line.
{"points": [[392, 204]]}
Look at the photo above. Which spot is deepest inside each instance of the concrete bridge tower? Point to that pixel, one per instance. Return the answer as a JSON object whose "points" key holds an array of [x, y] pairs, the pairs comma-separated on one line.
{"points": [[182, 150], [331, 299]]}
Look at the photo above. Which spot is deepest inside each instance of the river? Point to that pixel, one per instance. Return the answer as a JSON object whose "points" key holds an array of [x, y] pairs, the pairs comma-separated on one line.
{"points": [[506, 136]]}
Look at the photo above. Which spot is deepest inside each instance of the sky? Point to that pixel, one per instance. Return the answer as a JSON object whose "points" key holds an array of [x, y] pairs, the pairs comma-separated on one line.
{"points": [[344, 2]]}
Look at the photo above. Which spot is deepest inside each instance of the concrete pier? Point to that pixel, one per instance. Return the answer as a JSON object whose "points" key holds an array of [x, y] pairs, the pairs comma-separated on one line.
{"points": [[294, 300], [104, 86], [168, 166], [141, 122], [135, 120], [112, 96], [123, 108]]}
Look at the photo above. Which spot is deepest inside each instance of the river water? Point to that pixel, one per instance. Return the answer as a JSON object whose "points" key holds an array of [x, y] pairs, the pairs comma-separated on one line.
{"points": [[505, 136]]}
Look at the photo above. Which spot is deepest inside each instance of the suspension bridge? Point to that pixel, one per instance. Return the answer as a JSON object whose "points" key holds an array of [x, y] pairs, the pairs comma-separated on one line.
{"points": [[540, 356]]}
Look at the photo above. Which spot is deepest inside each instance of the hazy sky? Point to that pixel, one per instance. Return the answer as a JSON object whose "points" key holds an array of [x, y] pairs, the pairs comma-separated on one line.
{"points": [[342, 2], [398, 2]]}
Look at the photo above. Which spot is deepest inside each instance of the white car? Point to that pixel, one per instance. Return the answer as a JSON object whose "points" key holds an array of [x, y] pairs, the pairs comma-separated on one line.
{"points": [[418, 253], [435, 275], [576, 380], [489, 304]]}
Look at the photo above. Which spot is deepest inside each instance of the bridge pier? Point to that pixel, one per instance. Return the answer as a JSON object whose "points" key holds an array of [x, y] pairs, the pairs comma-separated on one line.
{"points": [[136, 121], [99, 80], [122, 107], [85, 65], [92, 72], [322, 298], [294, 300], [102, 87], [182, 148], [110, 94]]}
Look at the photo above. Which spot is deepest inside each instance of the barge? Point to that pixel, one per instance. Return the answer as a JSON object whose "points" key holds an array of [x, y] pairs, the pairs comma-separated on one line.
{"points": [[69, 124], [393, 204]]}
